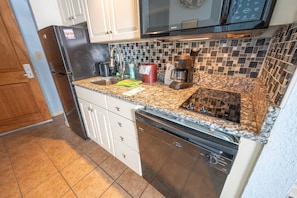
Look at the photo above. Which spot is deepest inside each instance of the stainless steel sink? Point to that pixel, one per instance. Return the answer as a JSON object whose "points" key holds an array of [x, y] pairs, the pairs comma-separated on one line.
{"points": [[106, 81]]}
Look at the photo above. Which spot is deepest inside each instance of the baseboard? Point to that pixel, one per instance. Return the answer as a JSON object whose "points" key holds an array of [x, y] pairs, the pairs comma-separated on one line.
{"points": [[57, 113]]}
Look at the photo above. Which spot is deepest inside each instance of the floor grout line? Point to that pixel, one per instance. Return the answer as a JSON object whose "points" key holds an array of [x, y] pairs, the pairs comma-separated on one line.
{"points": [[11, 165]]}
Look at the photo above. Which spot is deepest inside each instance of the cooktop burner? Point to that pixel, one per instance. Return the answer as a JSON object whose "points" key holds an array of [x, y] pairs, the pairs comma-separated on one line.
{"points": [[216, 103]]}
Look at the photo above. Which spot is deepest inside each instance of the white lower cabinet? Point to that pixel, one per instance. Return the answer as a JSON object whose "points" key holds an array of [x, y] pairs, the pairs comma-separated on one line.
{"points": [[123, 127], [88, 119], [95, 117], [128, 156], [110, 122]]}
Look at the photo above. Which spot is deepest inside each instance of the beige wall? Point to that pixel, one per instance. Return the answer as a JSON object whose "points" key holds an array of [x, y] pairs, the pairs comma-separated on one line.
{"points": [[285, 12]]}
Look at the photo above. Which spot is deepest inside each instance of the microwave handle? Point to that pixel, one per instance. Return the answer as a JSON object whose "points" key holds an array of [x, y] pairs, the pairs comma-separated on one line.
{"points": [[225, 11]]}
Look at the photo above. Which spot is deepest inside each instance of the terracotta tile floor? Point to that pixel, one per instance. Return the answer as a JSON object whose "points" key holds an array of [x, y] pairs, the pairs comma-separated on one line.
{"points": [[52, 161]]}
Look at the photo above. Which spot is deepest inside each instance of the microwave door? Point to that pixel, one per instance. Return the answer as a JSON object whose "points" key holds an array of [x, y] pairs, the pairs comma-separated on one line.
{"points": [[196, 15], [245, 11], [175, 15]]}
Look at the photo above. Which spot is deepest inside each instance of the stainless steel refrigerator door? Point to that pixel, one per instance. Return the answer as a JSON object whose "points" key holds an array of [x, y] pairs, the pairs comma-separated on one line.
{"points": [[79, 54]]}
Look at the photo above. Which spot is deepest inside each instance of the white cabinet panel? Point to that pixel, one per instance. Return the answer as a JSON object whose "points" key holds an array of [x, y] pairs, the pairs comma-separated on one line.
{"points": [[123, 127], [124, 17], [128, 156], [72, 12], [98, 20], [123, 124], [121, 107], [110, 20], [78, 11], [95, 116], [87, 118], [110, 122], [124, 131], [102, 127], [91, 96]]}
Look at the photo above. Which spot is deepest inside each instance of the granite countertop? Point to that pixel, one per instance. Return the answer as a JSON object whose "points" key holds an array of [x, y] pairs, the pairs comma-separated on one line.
{"points": [[160, 97]]}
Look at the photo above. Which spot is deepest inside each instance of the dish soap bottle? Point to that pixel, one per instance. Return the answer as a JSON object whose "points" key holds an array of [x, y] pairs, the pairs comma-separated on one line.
{"points": [[132, 71]]}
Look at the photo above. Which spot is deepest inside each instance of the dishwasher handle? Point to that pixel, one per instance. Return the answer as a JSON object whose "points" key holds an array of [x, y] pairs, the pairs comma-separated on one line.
{"points": [[199, 138]]}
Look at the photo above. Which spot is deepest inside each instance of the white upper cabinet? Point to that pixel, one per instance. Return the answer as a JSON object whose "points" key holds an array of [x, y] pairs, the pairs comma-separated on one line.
{"points": [[72, 12], [112, 20]]}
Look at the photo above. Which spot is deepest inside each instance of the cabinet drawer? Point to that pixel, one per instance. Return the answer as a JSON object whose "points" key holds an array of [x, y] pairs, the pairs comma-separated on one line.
{"points": [[121, 107], [128, 156], [123, 125], [124, 130], [91, 96]]}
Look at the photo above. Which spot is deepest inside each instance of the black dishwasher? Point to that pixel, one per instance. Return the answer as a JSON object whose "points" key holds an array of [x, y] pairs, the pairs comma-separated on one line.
{"points": [[182, 159]]}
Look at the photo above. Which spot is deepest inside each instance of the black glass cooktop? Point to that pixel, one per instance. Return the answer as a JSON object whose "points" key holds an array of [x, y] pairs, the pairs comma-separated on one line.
{"points": [[216, 103]]}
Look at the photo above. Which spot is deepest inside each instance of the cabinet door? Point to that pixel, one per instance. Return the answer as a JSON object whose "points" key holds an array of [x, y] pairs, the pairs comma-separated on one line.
{"points": [[65, 11], [87, 118], [101, 120], [98, 20], [78, 12], [124, 19]]}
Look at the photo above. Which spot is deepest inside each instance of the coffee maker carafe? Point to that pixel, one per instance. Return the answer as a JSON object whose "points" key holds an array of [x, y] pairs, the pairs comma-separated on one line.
{"points": [[182, 74]]}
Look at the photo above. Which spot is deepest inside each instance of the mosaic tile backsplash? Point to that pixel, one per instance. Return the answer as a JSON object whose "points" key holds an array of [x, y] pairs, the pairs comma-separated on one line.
{"points": [[274, 64], [234, 57], [280, 63]]}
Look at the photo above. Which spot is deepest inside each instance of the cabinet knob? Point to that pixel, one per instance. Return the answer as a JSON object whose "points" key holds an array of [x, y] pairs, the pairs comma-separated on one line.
{"points": [[118, 108], [110, 32], [120, 124], [124, 156], [122, 138], [107, 32]]}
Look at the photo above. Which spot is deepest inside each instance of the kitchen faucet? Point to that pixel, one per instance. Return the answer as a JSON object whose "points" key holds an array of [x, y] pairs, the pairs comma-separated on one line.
{"points": [[119, 56]]}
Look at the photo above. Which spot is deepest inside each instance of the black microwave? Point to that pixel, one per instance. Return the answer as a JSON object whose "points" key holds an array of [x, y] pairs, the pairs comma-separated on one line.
{"points": [[186, 17]]}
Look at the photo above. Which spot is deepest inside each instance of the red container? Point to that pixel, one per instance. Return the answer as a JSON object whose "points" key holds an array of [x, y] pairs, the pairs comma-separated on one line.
{"points": [[152, 76]]}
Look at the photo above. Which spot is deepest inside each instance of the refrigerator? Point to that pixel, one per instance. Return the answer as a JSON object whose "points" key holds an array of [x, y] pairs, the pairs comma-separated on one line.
{"points": [[71, 57]]}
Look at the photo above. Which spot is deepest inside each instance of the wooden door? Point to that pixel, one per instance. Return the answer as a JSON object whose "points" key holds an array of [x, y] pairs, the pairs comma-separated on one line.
{"points": [[21, 100]]}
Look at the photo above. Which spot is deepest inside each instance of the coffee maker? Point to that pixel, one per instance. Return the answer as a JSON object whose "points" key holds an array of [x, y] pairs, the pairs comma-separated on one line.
{"points": [[182, 74]]}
